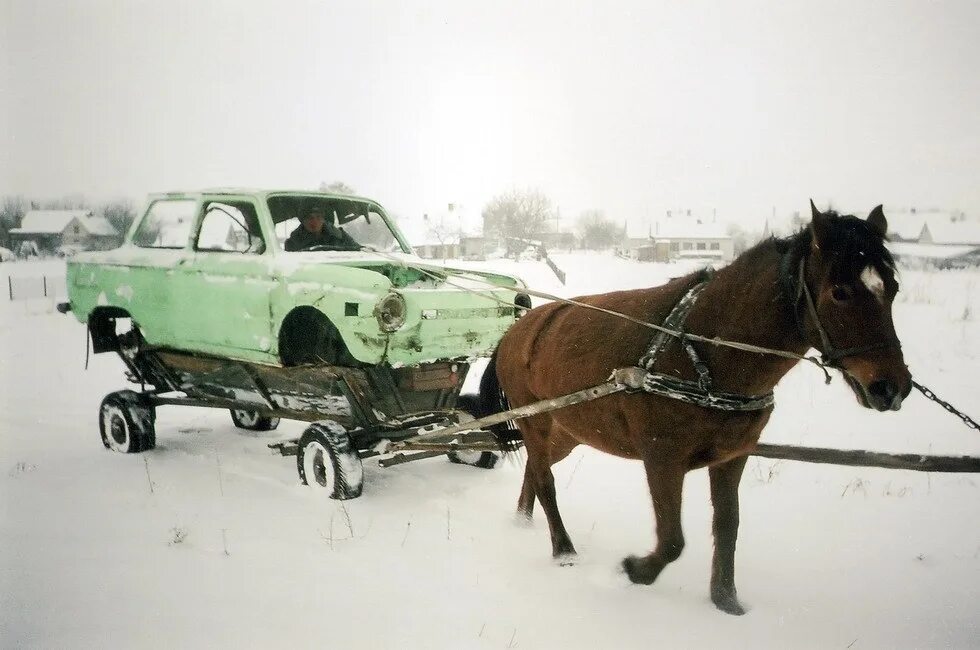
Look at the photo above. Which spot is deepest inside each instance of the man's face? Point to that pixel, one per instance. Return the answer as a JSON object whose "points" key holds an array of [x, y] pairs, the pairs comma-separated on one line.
{"points": [[313, 221]]}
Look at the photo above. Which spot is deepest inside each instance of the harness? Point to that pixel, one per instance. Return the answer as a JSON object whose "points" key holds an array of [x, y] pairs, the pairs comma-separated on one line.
{"points": [[698, 392]]}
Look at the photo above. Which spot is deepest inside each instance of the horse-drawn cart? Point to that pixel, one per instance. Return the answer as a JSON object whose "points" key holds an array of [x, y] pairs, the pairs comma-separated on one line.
{"points": [[355, 413]]}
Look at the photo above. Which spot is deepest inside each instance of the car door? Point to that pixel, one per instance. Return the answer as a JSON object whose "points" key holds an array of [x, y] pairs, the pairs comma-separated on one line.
{"points": [[143, 283], [224, 283]]}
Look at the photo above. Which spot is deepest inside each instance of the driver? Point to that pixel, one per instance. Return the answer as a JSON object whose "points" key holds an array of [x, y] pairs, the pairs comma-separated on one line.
{"points": [[314, 230]]}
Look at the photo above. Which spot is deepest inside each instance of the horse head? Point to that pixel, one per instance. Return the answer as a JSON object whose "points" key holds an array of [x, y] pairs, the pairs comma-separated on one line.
{"points": [[846, 279]]}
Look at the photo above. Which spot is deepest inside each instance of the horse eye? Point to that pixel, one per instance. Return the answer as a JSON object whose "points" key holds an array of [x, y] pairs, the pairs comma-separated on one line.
{"points": [[841, 293]]}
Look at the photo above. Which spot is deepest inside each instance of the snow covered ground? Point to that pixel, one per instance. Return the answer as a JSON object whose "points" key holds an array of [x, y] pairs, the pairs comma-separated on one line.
{"points": [[209, 540]]}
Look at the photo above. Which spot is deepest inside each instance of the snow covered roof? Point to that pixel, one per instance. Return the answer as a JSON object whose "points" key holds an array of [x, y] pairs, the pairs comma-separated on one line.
{"points": [[674, 229], [53, 222], [929, 251], [947, 232]]}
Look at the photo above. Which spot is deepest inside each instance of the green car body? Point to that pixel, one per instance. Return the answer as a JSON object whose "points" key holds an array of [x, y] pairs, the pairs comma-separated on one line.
{"points": [[205, 272]]}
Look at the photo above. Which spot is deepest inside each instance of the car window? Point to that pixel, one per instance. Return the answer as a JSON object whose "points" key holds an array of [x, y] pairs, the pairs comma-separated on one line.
{"points": [[368, 230], [230, 228], [167, 224]]}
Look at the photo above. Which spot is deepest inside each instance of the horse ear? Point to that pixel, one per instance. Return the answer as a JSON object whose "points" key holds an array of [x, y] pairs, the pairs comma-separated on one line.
{"points": [[877, 221], [818, 226]]}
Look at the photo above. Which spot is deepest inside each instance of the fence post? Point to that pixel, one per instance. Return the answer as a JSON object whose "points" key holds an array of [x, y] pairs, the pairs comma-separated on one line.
{"points": [[10, 286], [44, 279]]}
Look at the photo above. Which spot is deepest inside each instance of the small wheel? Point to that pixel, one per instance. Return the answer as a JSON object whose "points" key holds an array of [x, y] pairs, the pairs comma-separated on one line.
{"points": [[468, 406], [327, 460], [126, 422], [252, 421], [481, 459]]}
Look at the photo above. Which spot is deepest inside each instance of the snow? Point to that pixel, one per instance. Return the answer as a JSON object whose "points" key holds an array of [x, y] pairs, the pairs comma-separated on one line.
{"points": [[210, 541]]}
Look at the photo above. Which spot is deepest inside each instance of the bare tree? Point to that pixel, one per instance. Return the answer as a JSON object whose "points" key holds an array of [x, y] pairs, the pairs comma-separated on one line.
{"points": [[516, 217], [598, 231], [337, 187], [12, 210], [66, 202], [444, 232], [120, 213]]}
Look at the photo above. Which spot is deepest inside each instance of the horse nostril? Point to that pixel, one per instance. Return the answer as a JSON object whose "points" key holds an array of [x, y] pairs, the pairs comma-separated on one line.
{"points": [[884, 390]]}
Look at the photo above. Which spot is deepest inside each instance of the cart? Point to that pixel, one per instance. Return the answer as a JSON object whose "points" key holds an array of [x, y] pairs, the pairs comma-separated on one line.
{"points": [[354, 412]]}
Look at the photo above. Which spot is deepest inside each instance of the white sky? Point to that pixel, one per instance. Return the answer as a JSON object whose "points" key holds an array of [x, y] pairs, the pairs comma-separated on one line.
{"points": [[633, 108]]}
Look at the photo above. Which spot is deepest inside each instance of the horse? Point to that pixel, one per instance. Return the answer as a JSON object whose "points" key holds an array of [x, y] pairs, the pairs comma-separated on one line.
{"points": [[829, 287]]}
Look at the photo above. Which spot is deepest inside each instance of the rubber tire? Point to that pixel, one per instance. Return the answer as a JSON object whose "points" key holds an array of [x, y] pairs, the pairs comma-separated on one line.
{"points": [[252, 421], [127, 422], [327, 459], [481, 459], [469, 407]]}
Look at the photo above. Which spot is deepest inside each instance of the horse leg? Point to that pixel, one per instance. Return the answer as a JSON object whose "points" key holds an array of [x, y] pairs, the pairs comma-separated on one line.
{"points": [[724, 496], [525, 502], [666, 485], [562, 445], [543, 483]]}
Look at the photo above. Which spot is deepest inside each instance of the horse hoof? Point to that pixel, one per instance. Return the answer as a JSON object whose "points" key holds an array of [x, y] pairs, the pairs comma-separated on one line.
{"points": [[638, 570], [522, 520], [729, 605], [565, 559]]}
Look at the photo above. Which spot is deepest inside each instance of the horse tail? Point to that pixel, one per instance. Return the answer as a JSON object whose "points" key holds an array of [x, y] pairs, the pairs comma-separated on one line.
{"points": [[490, 401]]}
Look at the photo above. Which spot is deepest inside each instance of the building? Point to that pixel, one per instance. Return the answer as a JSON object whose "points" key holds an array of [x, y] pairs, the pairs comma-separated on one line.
{"points": [[934, 238], [51, 230], [678, 239]]}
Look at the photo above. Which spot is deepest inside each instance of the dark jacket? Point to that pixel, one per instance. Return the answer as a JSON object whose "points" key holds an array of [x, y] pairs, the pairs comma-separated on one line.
{"points": [[301, 239]]}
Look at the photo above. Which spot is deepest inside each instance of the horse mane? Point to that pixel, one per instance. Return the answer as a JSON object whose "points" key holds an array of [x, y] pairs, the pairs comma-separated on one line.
{"points": [[852, 245]]}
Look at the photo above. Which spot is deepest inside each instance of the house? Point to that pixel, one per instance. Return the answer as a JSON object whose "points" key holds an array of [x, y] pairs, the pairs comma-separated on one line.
{"points": [[934, 238], [50, 230], [680, 239], [634, 247]]}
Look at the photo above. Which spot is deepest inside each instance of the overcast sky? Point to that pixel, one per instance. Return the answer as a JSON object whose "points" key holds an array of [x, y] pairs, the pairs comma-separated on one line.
{"points": [[631, 107]]}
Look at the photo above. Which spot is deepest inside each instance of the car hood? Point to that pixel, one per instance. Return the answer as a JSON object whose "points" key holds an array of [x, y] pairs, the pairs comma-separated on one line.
{"points": [[403, 270]]}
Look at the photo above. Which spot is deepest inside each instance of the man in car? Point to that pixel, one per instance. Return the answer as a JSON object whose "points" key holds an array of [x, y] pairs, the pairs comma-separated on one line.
{"points": [[314, 230]]}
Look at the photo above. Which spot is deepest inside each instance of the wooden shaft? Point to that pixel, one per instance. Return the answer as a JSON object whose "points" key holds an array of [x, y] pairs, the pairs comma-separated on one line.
{"points": [[860, 458], [585, 395]]}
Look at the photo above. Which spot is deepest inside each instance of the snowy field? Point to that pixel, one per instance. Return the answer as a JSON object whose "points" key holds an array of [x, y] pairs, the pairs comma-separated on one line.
{"points": [[210, 541]]}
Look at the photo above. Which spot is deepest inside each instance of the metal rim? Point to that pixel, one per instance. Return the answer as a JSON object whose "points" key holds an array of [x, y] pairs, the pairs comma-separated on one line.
{"points": [[469, 457], [318, 467], [116, 427], [246, 418]]}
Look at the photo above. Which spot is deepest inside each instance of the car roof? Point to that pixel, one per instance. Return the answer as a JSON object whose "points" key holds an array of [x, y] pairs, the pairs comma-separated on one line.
{"points": [[238, 191]]}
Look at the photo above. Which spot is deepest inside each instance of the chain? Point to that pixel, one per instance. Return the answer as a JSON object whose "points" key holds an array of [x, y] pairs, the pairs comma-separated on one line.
{"points": [[946, 405]]}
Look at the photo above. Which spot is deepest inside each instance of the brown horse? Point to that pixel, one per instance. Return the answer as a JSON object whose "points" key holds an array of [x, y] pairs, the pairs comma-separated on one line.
{"points": [[829, 287]]}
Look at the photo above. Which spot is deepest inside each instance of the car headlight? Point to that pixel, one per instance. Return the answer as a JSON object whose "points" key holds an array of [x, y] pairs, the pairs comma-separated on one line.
{"points": [[390, 312]]}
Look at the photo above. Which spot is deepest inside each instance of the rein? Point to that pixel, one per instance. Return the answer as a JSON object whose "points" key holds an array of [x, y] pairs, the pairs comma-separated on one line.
{"points": [[830, 356], [735, 345]]}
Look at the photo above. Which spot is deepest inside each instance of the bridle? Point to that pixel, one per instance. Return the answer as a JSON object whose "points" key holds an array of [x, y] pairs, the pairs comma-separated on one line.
{"points": [[830, 353]]}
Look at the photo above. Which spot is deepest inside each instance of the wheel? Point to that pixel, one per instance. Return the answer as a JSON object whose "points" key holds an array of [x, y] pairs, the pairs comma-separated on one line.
{"points": [[327, 460], [252, 421], [481, 459], [126, 422]]}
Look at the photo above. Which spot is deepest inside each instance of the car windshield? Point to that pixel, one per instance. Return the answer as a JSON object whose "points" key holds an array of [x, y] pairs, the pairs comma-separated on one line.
{"points": [[320, 223]]}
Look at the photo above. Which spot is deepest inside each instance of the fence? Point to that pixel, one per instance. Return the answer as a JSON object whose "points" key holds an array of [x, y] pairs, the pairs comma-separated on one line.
{"points": [[558, 272], [27, 288]]}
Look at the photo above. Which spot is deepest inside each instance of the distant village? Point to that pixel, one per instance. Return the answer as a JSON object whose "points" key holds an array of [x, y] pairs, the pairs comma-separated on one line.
{"points": [[918, 238]]}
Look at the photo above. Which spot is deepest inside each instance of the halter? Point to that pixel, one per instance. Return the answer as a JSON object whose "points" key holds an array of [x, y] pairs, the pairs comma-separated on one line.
{"points": [[831, 354]]}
